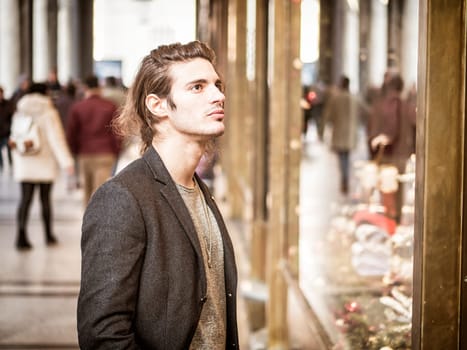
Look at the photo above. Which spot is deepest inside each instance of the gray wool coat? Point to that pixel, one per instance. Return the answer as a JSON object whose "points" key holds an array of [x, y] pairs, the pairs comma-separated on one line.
{"points": [[143, 283]]}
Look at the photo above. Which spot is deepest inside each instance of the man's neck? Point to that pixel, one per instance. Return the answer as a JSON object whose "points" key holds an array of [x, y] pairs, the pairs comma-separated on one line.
{"points": [[92, 92], [180, 158]]}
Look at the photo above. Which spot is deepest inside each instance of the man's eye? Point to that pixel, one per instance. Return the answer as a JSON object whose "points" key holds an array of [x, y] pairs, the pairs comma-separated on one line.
{"points": [[220, 86], [197, 87]]}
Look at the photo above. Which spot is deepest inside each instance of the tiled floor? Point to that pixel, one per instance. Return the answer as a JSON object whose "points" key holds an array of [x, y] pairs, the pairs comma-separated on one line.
{"points": [[38, 288]]}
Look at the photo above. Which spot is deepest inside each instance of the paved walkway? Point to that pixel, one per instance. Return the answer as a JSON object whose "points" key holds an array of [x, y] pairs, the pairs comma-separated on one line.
{"points": [[38, 288]]}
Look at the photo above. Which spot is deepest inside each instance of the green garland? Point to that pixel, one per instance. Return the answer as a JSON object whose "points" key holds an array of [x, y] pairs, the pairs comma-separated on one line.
{"points": [[361, 334]]}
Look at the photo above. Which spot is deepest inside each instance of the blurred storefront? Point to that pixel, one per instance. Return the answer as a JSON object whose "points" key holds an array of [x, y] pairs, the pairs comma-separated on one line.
{"points": [[362, 280]]}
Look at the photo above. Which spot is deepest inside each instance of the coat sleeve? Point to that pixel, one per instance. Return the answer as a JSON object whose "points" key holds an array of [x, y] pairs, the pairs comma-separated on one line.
{"points": [[113, 242]]}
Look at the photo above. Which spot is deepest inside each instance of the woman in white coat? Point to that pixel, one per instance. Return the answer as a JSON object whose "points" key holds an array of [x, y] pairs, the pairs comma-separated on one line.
{"points": [[39, 151]]}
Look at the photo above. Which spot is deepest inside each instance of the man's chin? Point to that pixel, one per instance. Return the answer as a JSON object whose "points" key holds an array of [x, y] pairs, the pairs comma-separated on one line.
{"points": [[219, 131]]}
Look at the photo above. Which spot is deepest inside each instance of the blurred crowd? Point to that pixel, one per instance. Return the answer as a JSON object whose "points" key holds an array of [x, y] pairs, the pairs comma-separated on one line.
{"points": [[47, 128], [385, 115]]}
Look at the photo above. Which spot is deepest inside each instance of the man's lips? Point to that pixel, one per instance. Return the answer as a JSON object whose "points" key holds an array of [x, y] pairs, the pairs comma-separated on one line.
{"points": [[217, 114]]}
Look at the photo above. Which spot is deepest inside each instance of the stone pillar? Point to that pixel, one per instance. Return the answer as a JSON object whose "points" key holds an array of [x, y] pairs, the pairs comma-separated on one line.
{"points": [[409, 53], [338, 30], [84, 38], [326, 28], [26, 41], [364, 26], [378, 43], [394, 35], [440, 269], [66, 51], [40, 50], [351, 46], [52, 19], [9, 45]]}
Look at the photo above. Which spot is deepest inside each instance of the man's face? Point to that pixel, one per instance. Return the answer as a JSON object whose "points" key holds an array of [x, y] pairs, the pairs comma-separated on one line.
{"points": [[199, 100]]}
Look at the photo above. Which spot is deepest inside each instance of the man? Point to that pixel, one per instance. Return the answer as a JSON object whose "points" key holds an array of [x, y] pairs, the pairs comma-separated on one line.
{"points": [[158, 267], [343, 112], [91, 138]]}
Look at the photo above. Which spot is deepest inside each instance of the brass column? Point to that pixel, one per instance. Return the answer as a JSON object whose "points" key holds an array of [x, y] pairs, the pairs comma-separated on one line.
{"points": [[236, 86], [440, 175], [258, 92], [284, 161]]}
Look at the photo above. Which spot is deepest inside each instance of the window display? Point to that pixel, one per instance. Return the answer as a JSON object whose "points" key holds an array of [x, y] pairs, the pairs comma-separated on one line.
{"points": [[366, 262]]}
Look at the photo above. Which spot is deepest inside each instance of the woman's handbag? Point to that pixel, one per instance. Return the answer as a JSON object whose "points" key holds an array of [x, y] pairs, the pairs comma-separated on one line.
{"points": [[26, 135]]}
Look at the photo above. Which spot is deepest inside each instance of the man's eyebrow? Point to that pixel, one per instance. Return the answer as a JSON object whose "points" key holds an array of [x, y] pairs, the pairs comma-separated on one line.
{"points": [[203, 81], [197, 81]]}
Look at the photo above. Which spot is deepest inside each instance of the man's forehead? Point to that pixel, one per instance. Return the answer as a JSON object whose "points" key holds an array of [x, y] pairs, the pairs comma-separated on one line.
{"points": [[192, 70]]}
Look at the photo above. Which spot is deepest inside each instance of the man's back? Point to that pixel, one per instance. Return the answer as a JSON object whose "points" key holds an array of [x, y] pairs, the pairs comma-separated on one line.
{"points": [[342, 112], [89, 128]]}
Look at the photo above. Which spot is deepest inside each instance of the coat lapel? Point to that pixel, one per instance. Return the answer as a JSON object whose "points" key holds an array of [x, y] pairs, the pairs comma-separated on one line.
{"points": [[174, 199]]}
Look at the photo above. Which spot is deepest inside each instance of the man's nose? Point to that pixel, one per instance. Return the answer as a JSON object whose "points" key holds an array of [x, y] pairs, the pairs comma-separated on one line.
{"points": [[217, 95]]}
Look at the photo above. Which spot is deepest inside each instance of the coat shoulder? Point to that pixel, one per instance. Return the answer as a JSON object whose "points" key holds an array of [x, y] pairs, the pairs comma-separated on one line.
{"points": [[135, 174]]}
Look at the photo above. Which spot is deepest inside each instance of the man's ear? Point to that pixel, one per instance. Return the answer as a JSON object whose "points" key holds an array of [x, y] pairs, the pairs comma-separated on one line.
{"points": [[156, 105]]}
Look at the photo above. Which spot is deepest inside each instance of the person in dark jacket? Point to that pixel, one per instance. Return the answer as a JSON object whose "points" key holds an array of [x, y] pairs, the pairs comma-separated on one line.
{"points": [[393, 137], [91, 138], [6, 113], [158, 266]]}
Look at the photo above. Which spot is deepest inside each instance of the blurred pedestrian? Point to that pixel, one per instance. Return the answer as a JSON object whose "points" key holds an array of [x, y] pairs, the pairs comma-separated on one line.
{"points": [[65, 99], [393, 126], [6, 113], [53, 84], [91, 137], [114, 91], [393, 136], [24, 82], [375, 97], [344, 113], [37, 158], [158, 267], [312, 103]]}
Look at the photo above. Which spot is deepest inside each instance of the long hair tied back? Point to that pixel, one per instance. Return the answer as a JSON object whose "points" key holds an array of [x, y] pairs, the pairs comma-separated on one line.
{"points": [[153, 77]]}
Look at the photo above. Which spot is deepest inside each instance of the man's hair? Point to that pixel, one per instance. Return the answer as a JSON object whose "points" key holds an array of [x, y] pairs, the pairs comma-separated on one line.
{"points": [[345, 82], [153, 77], [111, 81], [91, 81], [38, 88], [396, 83]]}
